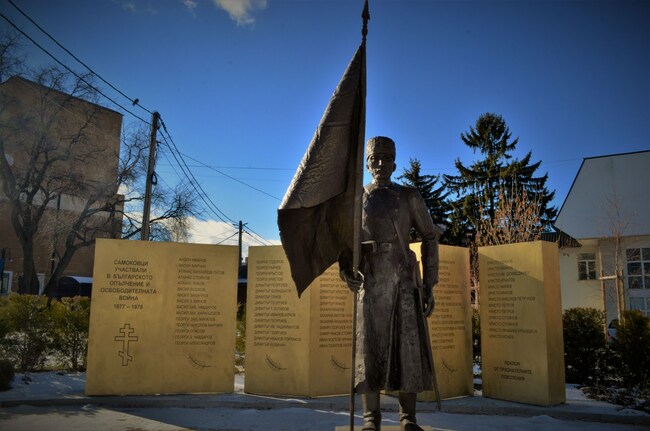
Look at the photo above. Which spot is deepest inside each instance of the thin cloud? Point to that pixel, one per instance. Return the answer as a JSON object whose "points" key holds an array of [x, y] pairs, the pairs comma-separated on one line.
{"points": [[212, 232], [130, 7], [240, 11], [217, 232], [190, 5], [136, 6]]}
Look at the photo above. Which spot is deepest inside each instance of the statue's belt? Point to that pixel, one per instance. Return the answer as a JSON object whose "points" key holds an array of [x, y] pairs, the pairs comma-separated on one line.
{"points": [[378, 247]]}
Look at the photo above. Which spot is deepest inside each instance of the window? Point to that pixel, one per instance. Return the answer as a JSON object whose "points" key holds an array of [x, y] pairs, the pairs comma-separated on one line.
{"points": [[41, 282], [6, 283], [640, 303], [587, 266], [638, 268]]}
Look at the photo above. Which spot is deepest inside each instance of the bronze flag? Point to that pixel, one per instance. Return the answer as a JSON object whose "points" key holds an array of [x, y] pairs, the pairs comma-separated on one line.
{"points": [[317, 215]]}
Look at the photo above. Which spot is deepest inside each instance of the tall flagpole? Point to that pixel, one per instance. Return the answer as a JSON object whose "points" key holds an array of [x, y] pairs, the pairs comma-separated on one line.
{"points": [[358, 194]]}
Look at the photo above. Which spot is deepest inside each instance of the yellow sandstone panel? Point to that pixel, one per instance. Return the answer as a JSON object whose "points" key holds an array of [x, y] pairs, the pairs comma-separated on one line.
{"points": [[331, 335], [295, 347], [521, 323], [450, 325], [277, 326], [163, 318]]}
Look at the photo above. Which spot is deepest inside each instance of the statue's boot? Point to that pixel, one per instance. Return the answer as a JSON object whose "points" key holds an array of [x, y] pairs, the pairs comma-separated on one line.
{"points": [[407, 402], [371, 411]]}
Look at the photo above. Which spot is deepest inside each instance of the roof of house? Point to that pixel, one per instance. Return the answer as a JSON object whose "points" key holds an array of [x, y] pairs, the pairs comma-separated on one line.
{"points": [[610, 196], [19, 79], [560, 237]]}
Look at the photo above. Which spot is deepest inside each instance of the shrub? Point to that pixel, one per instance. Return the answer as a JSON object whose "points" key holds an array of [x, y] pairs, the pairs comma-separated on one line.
{"points": [[632, 349], [585, 345], [6, 374], [28, 324], [476, 336], [240, 341], [4, 318], [71, 319]]}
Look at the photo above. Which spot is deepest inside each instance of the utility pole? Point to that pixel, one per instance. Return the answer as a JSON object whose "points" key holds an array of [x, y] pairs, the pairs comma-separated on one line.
{"points": [[241, 229], [55, 238], [2, 270], [150, 174]]}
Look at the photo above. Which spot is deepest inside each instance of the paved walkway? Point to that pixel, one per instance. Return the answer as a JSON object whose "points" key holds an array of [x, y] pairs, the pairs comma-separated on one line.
{"points": [[67, 408]]}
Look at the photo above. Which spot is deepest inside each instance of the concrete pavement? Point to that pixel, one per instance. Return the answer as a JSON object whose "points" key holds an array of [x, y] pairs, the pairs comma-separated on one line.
{"points": [[71, 410]]}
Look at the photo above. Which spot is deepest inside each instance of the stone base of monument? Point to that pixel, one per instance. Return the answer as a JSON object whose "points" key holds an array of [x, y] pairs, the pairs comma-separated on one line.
{"points": [[383, 427]]}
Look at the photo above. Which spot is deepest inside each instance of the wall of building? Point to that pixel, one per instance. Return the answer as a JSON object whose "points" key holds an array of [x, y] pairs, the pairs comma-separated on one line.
{"points": [[576, 292], [95, 155], [607, 211], [93, 160], [600, 294], [81, 264], [632, 242]]}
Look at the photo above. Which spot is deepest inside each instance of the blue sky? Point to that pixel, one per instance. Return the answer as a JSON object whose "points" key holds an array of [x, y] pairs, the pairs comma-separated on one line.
{"points": [[241, 85]]}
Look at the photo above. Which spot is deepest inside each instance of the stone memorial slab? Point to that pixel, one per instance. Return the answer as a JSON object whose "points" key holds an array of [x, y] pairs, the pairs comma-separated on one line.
{"points": [[296, 346], [450, 325], [163, 318], [521, 323]]}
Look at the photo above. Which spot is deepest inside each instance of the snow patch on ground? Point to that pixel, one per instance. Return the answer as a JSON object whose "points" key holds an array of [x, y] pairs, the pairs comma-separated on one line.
{"points": [[45, 385]]}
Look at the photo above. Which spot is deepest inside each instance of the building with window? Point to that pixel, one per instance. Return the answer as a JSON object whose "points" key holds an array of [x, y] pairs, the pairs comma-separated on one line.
{"points": [[607, 210], [80, 142]]}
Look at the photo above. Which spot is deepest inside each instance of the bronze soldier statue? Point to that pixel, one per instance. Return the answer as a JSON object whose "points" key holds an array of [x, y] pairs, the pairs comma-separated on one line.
{"points": [[391, 346]]}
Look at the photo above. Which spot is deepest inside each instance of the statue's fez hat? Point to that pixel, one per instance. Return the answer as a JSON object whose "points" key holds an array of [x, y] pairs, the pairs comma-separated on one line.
{"points": [[380, 144]]}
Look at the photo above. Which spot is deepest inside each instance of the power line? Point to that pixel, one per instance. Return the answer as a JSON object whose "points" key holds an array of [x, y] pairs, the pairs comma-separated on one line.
{"points": [[133, 101], [218, 176], [64, 106], [260, 168], [214, 237], [181, 163], [190, 176], [69, 69], [197, 188], [261, 240], [172, 166], [233, 178], [194, 186], [224, 240], [194, 182]]}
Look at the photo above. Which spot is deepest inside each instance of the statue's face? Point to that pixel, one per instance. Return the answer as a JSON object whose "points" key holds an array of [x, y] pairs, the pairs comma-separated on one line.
{"points": [[381, 165]]}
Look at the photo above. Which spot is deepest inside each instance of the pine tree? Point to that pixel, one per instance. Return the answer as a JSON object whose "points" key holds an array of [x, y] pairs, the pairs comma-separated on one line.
{"points": [[479, 185], [434, 197]]}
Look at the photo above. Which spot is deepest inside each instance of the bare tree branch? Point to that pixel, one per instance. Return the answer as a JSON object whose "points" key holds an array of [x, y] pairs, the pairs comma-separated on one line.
{"points": [[69, 182]]}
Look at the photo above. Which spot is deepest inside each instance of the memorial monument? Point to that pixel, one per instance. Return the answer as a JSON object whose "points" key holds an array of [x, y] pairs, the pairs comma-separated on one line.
{"points": [[521, 323], [393, 351], [325, 216], [163, 318]]}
